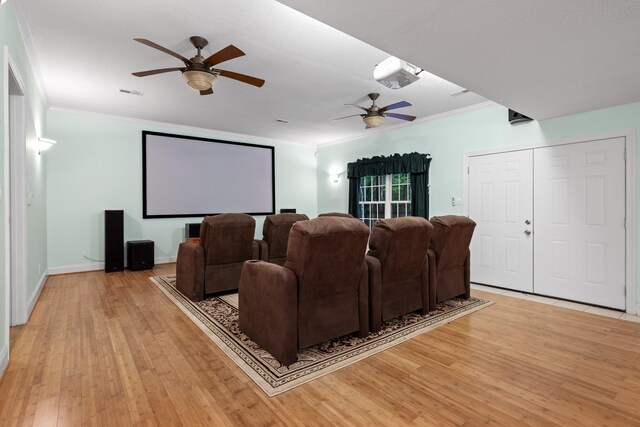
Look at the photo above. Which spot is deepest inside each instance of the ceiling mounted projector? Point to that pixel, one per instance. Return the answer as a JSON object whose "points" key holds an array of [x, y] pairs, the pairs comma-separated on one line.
{"points": [[395, 73]]}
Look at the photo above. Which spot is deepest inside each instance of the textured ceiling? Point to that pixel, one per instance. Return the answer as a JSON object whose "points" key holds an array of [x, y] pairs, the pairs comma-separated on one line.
{"points": [[85, 54], [543, 58]]}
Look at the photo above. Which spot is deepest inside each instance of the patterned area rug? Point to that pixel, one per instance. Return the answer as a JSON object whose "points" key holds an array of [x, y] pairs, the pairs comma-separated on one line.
{"points": [[218, 318]]}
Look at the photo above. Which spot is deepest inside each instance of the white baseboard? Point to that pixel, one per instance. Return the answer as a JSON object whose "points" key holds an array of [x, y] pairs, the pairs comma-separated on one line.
{"points": [[4, 359], [165, 260], [36, 293], [78, 268], [94, 266]]}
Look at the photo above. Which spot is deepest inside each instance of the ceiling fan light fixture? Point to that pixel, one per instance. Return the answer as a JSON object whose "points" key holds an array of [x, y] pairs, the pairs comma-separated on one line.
{"points": [[373, 121], [199, 80]]}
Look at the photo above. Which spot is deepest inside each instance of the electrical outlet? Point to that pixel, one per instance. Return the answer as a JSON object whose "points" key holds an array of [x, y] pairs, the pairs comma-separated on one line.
{"points": [[83, 255]]}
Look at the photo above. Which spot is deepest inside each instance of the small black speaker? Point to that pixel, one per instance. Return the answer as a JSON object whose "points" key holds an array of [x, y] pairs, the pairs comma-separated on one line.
{"points": [[515, 117], [288, 210], [140, 254], [113, 241], [191, 230]]}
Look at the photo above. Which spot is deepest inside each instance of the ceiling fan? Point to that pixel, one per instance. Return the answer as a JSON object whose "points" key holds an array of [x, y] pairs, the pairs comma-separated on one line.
{"points": [[199, 72], [375, 115]]}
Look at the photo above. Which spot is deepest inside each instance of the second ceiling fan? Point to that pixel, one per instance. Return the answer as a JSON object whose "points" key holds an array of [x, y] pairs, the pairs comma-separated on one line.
{"points": [[200, 72], [375, 115]]}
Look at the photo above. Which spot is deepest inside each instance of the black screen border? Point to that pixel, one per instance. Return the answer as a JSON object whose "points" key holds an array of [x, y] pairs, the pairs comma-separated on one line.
{"points": [[217, 141]]}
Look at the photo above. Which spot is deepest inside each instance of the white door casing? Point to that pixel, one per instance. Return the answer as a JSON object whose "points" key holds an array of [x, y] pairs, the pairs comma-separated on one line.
{"points": [[579, 193], [501, 204]]}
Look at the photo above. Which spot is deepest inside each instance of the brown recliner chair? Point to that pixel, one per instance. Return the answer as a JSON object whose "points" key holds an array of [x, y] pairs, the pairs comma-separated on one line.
{"points": [[275, 236], [339, 214], [214, 265], [399, 268], [450, 247], [321, 292]]}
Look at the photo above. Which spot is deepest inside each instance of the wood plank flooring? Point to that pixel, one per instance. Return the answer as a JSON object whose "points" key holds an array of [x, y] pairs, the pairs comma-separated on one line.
{"points": [[113, 350]]}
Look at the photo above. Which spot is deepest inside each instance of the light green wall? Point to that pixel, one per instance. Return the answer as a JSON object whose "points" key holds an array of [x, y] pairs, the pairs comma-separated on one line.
{"points": [[36, 168], [97, 165], [447, 138]]}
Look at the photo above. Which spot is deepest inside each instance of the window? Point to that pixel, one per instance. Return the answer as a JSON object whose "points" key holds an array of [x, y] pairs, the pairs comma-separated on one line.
{"points": [[384, 196]]}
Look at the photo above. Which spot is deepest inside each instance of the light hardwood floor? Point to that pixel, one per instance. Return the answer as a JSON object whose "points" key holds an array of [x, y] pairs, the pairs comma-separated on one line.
{"points": [[113, 350]]}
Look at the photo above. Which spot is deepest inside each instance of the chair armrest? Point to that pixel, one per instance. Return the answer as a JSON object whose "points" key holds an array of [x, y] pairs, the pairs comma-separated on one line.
{"points": [[425, 278], [255, 250], [467, 275], [363, 301], [375, 292], [190, 270], [433, 285], [268, 308], [264, 250]]}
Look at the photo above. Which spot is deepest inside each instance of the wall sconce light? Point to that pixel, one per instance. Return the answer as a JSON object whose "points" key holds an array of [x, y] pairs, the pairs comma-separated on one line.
{"points": [[44, 144], [335, 177]]}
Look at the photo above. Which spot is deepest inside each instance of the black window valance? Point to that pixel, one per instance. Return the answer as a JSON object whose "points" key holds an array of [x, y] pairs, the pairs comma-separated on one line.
{"points": [[384, 165], [414, 163]]}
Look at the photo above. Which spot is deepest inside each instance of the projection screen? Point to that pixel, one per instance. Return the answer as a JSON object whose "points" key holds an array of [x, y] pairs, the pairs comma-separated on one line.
{"points": [[184, 176]]}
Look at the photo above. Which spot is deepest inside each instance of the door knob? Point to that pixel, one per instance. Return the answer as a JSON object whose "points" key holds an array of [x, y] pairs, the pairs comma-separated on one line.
{"points": [[526, 221], [527, 232]]}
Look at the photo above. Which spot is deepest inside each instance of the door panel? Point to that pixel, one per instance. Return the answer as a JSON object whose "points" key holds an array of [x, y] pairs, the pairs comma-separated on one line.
{"points": [[579, 193], [500, 201]]}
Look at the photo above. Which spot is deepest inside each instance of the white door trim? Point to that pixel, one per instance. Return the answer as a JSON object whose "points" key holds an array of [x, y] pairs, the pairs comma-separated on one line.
{"points": [[631, 285], [15, 187]]}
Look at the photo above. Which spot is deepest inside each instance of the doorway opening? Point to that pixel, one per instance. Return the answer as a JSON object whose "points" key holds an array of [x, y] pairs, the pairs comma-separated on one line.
{"points": [[15, 194]]}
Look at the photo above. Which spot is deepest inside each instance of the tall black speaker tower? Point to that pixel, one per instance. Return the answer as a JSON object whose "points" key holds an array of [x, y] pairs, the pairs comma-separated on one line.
{"points": [[113, 241]]}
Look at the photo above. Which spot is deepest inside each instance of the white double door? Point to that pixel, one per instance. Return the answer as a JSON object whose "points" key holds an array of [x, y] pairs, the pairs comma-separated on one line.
{"points": [[551, 221]]}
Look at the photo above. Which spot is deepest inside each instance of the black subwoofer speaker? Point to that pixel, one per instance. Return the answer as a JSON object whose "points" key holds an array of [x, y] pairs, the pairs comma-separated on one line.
{"points": [[140, 255], [113, 241], [191, 230]]}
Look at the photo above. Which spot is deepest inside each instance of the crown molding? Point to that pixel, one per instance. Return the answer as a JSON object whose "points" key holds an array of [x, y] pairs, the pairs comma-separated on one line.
{"points": [[29, 47]]}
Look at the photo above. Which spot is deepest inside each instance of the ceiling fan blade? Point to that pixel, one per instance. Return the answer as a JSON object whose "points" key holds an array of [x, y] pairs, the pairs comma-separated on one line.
{"points": [[163, 49], [158, 71], [358, 106], [225, 54], [400, 104], [241, 77], [401, 116], [206, 92], [346, 117]]}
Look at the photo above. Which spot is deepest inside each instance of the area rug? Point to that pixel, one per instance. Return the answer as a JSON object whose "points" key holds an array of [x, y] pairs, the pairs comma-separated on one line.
{"points": [[218, 318]]}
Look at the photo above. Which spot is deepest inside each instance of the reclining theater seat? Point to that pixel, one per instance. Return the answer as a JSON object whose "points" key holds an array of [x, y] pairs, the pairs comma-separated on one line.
{"points": [[214, 265], [450, 247], [340, 214], [399, 269], [321, 292], [275, 232]]}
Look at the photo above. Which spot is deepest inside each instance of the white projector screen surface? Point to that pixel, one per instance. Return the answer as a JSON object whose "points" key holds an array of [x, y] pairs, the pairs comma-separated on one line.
{"points": [[185, 176]]}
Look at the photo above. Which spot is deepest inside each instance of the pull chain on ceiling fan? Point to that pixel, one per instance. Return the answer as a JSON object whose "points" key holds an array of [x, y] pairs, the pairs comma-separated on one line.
{"points": [[375, 115], [199, 72]]}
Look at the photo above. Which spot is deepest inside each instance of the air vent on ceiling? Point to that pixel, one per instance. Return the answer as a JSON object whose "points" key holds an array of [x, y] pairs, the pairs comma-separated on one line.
{"points": [[459, 92], [131, 92]]}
